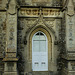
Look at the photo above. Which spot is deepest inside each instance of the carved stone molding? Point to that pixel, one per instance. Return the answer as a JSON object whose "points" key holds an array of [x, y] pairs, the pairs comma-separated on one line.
{"points": [[41, 22], [34, 12], [33, 22]]}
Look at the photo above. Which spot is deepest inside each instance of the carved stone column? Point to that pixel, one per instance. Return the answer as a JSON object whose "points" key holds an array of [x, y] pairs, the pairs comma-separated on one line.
{"points": [[10, 66], [70, 39], [70, 25]]}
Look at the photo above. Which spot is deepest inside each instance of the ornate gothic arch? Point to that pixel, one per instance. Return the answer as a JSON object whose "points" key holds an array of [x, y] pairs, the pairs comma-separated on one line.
{"points": [[44, 26], [49, 43]]}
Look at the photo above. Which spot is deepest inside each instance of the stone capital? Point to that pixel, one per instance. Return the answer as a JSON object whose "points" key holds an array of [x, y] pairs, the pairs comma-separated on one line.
{"points": [[12, 7], [70, 8]]}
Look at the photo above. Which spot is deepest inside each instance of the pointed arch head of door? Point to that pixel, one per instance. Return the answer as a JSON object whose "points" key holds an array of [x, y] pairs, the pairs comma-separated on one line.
{"points": [[48, 38]]}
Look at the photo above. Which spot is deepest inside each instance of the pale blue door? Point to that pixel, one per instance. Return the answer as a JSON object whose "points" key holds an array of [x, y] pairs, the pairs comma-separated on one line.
{"points": [[39, 52]]}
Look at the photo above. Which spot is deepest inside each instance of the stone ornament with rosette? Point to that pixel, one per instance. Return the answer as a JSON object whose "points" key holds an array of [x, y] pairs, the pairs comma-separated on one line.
{"points": [[30, 22]]}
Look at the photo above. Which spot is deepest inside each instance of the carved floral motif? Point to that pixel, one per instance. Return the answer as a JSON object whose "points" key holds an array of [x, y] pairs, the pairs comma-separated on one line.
{"points": [[50, 23], [30, 23]]}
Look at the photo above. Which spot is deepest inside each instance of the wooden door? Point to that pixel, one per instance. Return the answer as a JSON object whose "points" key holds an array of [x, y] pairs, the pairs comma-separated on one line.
{"points": [[39, 52]]}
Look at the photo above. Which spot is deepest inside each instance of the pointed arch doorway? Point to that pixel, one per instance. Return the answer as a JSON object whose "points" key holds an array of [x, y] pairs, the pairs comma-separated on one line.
{"points": [[39, 52], [40, 49]]}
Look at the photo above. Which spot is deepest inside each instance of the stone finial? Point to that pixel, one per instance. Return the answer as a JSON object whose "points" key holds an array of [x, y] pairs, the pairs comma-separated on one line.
{"points": [[12, 7], [70, 7]]}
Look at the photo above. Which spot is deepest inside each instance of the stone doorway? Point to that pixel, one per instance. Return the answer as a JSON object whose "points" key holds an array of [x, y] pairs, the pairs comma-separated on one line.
{"points": [[39, 52]]}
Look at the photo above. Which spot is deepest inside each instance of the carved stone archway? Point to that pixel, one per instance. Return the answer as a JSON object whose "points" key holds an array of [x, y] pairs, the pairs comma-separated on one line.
{"points": [[49, 45]]}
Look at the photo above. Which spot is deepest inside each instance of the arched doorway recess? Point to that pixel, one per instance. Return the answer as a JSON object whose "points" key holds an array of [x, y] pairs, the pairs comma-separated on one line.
{"points": [[40, 52]]}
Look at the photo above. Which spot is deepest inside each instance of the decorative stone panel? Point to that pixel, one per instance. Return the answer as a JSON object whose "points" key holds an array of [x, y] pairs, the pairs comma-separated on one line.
{"points": [[35, 12]]}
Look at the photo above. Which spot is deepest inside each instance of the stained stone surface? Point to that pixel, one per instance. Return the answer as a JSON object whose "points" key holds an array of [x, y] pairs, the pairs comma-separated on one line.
{"points": [[18, 20], [2, 33], [2, 39], [52, 3], [3, 4]]}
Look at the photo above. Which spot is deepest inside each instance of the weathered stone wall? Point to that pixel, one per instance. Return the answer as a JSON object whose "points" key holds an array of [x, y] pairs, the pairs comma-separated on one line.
{"points": [[2, 38], [52, 3], [60, 27], [2, 33], [3, 4]]}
